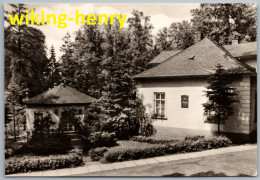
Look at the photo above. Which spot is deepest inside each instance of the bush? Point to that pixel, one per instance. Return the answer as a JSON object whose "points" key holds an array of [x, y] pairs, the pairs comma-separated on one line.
{"points": [[194, 138], [41, 144], [9, 152], [102, 139], [151, 141], [163, 149], [97, 154], [39, 163]]}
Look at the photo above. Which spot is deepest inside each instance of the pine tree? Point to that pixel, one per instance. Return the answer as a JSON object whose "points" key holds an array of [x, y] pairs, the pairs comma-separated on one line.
{"points": [[220, 98], [51, 73], [68, 65]]}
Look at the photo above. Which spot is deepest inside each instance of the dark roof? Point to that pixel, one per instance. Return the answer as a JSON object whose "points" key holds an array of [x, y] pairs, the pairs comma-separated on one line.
{"points": [[199, 59], [242, 50], [61, 95], [163, 56]]}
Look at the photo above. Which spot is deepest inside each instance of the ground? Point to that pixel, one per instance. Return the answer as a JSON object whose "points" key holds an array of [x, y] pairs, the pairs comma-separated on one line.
{"points": [[242, 163]]}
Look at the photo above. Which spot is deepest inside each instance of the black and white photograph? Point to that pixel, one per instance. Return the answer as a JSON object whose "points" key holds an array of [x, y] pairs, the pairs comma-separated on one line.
{"points": [[130, 89]]}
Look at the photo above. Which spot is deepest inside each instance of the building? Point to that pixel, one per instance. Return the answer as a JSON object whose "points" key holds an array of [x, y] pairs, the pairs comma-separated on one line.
{"points": [[54, 101], [174, 90]]}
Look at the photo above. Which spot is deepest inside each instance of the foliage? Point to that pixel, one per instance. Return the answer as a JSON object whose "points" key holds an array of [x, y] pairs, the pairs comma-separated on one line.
{"points": [[25, 53], [178, 36], [41, 144], [43, 125], [164, 149], [220, 97], [223, 22], [194, 138], [39, 163], [88, 52], [102, 139], [151, 140], [97, 154], [13, 103], [51, 72], [126, 53]]}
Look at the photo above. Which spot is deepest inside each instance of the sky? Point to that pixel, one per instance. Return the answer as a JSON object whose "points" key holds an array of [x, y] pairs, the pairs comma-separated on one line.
{"points": [[161, 15]]}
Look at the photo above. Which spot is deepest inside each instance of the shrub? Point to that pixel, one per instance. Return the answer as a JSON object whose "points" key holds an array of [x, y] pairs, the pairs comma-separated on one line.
{"points": [[151, 141], [39, 163], [9, 152], [194, 138], [102, 139], [97, 154], [163, 149], [40, 144]]}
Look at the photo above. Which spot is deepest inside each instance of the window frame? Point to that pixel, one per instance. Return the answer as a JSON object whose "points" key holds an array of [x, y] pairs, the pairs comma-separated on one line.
{"points": [[182, 104], [160, 108]]}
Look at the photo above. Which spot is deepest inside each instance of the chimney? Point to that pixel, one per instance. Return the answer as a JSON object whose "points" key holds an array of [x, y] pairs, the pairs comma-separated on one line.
{"points": [[234, 41], [26, 97], [197, 36]]}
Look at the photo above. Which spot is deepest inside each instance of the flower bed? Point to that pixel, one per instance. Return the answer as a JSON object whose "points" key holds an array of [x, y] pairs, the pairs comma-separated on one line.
{"points": [[189, 145], [39, 163]]}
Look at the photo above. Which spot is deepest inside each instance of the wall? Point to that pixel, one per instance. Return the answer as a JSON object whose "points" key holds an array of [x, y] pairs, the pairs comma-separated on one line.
{"points": [[51, 109], [192, 117]]}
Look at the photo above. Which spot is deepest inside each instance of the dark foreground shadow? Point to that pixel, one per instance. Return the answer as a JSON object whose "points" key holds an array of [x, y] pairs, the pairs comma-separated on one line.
{"points": [[202, 174]]}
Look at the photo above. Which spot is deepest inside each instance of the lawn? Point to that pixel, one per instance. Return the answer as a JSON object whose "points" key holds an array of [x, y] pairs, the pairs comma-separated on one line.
{"points": [[170, 133]]}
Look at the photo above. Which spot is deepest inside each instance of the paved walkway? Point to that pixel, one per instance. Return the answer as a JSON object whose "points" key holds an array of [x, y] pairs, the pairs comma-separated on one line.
{"points": [[127, 164]]}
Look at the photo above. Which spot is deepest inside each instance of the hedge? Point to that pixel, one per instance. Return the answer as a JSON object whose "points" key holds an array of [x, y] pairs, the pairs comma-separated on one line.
{"points": [[164, 149], [151, 141], [39, 163], [97, 154]]}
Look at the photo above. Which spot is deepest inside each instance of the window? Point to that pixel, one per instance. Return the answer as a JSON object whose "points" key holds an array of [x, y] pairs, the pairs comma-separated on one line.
{"points": [[80, 111], [68, 127], [159, 105], [56, 111], [184, 101], [38, 116]]}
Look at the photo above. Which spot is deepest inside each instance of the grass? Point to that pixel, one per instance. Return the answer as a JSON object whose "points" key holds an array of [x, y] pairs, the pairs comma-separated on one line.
{"points": [[130, 145], [170, 133]]}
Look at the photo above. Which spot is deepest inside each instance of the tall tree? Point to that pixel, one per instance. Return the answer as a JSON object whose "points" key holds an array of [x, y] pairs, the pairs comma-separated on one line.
{"points": [[51, 73], [88, 52], [24, 52], [221, 22], [126, 52], [141, 44], [220, 98], [178, 36], [162, 40], [68, 66]]}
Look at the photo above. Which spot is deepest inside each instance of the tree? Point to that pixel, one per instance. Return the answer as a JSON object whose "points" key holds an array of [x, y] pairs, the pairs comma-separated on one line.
{"points": [[24, 53], [221, 22], [220, 97], [51, 73], [181, 35], [126, 50], [13, 103], [162, 40], [178, 36], [141, 42], [88, 53], [68, 65]]}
